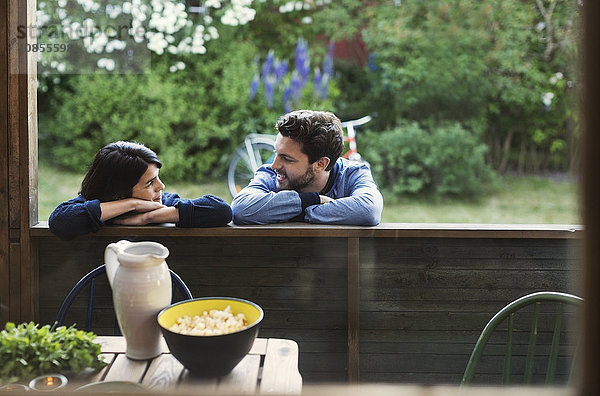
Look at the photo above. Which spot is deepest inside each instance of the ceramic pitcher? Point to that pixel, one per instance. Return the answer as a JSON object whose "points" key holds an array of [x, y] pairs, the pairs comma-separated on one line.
{"points": [[141, 287]]}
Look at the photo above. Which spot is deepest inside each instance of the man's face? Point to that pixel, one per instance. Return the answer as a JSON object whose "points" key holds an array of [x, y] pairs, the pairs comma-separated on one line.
{"points": [[291, 165]]}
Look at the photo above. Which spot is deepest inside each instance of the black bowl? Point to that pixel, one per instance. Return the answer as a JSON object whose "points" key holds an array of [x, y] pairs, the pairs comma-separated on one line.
{"points": [[210, 355]]}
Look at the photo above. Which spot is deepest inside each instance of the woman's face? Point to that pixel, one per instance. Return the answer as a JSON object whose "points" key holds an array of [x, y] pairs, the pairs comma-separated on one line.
{"points": [[149, 187]]}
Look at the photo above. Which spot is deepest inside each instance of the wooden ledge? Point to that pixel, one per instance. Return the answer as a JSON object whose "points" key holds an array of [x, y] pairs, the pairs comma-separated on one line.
{"points": [[384, 230]]}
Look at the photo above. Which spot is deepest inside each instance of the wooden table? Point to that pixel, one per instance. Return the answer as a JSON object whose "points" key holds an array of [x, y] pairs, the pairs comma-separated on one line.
{"points": [[271, 366]]}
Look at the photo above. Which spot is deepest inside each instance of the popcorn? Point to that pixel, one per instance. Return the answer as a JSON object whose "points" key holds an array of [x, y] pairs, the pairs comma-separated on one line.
{"points": [[213, 322]]}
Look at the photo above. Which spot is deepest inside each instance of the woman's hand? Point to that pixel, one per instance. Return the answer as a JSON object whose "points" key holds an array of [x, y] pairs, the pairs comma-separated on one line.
{"points": [[141, 205], [164, 214], [113, 209]]}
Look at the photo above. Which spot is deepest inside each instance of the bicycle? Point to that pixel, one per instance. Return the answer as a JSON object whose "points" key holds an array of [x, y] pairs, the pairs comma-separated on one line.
{"points": [[258, 149]]}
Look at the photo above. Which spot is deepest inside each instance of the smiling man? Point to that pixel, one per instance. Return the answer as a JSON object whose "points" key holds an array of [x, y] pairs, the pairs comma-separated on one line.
{"points": [[308, 181]]}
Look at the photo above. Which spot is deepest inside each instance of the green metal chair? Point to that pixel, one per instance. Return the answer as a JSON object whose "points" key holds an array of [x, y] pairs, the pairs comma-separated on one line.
{"points": [[508, 313]]}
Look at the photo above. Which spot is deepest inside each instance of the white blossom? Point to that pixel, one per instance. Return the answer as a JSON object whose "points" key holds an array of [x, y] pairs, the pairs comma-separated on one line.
{"points": [[214, 33], [557, 76], [212, 3], [287, 7], [41, 18], [115, 45], [156, 42], [239, 13], [113, 11], [106, 63], [89, 5], [547, 98], [540, 26]]}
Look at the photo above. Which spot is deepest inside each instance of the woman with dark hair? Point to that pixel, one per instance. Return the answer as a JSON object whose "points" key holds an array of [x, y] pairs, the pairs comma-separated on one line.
{"points": [[122, 187]]}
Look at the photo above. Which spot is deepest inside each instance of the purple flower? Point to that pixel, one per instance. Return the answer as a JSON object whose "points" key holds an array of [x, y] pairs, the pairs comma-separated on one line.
{"points": [[302, 60], [324, 87], [281, 68], [328, 61], [269, 90], [286, 97], [317, 78], [254, 87], [297, 85], [267, 67]]}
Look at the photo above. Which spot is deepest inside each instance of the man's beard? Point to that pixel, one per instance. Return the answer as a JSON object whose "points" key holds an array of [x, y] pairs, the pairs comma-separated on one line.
{"points": [[299, 183]]}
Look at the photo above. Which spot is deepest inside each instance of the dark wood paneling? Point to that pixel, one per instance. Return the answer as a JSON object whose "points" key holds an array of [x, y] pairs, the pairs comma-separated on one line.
{"points": [[422, 301], [353, 309], [300, 283]]}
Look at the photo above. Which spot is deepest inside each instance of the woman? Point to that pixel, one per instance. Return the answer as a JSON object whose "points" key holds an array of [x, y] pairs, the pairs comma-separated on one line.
{"points": [[122, 187]]}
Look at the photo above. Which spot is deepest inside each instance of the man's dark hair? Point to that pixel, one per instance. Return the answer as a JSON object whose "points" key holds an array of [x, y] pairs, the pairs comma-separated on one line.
{"points": [[320, 133], [116, 168]]}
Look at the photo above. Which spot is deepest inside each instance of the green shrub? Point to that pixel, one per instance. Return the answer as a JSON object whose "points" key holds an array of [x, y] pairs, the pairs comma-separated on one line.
{"points": [[193, 117], [439, 160]]}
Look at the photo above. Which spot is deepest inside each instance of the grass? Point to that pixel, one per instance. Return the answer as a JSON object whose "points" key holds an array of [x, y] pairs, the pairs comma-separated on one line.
{"points": [[519, 199]]}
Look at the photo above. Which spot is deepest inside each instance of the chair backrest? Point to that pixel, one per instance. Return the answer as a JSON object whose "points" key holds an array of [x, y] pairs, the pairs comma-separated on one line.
{"points": [[508, 314], [90, 280]]}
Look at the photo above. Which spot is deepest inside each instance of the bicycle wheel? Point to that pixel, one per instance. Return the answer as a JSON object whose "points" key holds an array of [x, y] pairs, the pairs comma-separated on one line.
{"points": [[247, 158]]}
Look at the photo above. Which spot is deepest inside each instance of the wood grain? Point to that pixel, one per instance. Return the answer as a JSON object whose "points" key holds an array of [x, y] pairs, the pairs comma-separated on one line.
{"points": [[163, 374], [383, 230], [353, 309], [243, 378], [125, 369], [4, 164], [281, 360]]}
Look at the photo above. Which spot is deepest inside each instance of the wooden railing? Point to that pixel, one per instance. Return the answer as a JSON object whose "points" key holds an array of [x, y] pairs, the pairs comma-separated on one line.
{"points": [[395, 302]]}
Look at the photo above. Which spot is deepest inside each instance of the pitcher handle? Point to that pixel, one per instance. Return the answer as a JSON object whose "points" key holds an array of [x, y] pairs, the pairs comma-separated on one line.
{"points": [[111, 260]]}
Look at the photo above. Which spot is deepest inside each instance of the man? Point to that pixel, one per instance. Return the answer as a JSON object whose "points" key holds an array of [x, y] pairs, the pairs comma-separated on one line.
{"points": [[307, 180]]}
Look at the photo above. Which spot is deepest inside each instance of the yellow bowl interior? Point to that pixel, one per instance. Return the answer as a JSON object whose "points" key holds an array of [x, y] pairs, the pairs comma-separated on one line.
{"points": [[197, 307]]}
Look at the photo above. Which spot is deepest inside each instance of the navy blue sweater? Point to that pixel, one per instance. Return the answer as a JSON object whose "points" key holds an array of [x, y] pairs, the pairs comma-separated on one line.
{"points": [[79, 216]]}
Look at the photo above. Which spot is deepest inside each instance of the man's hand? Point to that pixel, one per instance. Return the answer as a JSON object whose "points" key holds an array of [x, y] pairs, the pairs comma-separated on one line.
{"points": [[325, 199]]}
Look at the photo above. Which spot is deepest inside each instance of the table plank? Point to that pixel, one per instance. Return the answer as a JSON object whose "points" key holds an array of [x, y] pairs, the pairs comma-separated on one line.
{"points": [[244, 377], [89, 375], [117, 344], [125, 369], [259, 347], [280, 372], [164, 373], [197, 384]]}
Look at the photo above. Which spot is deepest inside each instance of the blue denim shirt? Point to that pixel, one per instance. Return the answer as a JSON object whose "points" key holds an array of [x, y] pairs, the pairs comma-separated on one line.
{"points": [[357, 200]]}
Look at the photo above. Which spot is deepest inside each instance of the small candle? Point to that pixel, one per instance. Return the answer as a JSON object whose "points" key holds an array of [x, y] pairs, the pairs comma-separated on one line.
{"points": [[48, 382], [14, 388]]}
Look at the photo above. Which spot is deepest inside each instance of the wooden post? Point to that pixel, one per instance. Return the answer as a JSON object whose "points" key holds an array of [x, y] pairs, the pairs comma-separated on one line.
{"points": [[4, 238], [353, 309], [591, 145], [18, 160]]}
